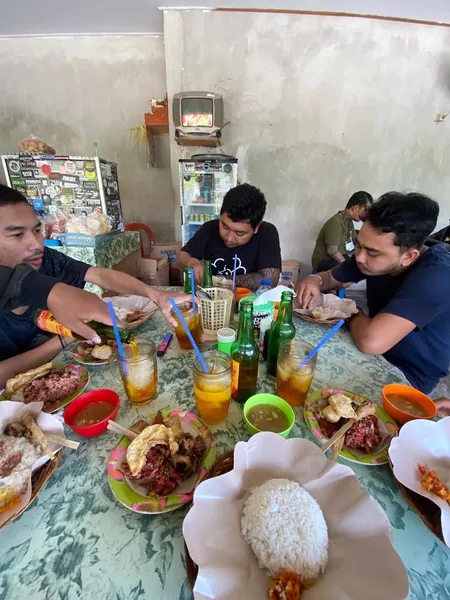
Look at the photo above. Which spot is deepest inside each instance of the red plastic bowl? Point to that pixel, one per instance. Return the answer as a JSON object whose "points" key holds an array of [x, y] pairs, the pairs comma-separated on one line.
{"points": [[90, 398]]}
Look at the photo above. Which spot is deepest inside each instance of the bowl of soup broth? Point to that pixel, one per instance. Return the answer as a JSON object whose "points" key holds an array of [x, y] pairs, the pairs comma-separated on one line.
{"points": [[405, 403], [267, 412], [89, 414]]}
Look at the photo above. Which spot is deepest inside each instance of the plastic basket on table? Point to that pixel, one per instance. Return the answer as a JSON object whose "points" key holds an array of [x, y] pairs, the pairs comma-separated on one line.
{"points": [[216, 313]]}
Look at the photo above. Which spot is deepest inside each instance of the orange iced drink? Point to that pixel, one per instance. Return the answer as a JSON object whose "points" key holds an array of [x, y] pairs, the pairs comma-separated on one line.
{"points": [[293, 384], [193, 321], [213, 390]]}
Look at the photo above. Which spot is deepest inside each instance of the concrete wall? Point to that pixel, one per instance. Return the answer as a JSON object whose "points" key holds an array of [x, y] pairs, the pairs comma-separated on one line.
{"points": [[320, 107], [74, 91]]}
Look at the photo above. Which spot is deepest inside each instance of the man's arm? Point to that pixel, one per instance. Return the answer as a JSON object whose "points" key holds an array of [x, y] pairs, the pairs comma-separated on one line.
{"points": [[23, 286], [29, 360], [70, 306], [126, 284], [413, 306], [192, 254], [252, 281], [333, 237], [308, 290], [380, 334], [333, 252], [184, 259]]}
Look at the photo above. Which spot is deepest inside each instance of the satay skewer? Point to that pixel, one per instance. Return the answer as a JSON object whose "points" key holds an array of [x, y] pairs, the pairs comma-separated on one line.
{"points": [[60, 441], [116, 428], [37, 434]]}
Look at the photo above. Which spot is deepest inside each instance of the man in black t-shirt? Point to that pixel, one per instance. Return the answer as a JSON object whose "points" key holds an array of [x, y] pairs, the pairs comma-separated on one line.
{"points": [[21, 242], [241, 231]]}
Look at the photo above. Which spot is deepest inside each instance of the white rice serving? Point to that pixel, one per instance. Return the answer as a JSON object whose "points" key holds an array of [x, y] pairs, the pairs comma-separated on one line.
{"points": [[286, 529]]}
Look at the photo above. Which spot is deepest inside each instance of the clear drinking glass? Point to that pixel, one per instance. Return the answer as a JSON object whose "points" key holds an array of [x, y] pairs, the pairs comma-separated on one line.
{"points": [[213, 390], [193, 321], [293, 383], [138, 371]]}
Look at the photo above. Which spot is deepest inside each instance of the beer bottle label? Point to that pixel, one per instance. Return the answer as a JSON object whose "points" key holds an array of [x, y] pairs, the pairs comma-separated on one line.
{"points": [[234, 378], [46, 321]]}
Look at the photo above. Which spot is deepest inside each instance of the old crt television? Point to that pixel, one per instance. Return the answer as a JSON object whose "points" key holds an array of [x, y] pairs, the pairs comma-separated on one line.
{"points": [[197, 114]]}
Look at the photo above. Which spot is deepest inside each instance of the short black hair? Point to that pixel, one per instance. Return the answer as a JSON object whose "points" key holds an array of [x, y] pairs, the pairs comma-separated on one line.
{"points": [[359, 199], [410, 217], [10, 196], [245, 202]]}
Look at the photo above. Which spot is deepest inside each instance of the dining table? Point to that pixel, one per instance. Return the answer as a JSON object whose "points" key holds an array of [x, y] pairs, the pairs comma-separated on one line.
{"points": [[77, 541]]}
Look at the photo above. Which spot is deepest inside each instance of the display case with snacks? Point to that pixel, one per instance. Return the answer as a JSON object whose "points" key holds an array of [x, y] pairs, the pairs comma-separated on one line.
{"points": [[77, 198]]}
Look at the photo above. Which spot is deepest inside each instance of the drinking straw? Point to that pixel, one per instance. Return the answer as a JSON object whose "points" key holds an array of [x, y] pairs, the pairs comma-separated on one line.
{"points": [[116, 329], [193, 288], [323, 341], [234, 272], [188, 333]]}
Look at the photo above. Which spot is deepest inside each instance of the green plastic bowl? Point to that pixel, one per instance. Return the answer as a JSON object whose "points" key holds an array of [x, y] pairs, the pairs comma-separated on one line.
{"points": [[274, 401]]}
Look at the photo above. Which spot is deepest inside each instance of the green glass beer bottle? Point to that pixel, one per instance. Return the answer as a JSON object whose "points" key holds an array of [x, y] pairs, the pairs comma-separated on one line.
{"points": [[187, 280], [47, 322], [207, 274], [244, 355], [282, 329]]}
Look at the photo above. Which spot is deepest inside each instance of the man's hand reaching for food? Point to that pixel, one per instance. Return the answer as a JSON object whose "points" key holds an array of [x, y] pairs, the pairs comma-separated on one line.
{"points": [[161, 298], [308, 291], [74, 307]]}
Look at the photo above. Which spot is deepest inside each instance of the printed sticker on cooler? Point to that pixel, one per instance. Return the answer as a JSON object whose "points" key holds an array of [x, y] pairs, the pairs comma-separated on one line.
{"points": [[234, 378]]}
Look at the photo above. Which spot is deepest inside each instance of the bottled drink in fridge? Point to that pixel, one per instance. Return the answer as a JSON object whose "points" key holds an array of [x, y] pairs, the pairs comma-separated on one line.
{"points": [[282, 329], [207, 274], [244, 355]]}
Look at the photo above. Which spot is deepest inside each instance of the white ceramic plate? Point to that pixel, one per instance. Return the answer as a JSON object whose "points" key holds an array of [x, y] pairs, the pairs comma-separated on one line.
{"points": [[362, 561], [427, 443]]}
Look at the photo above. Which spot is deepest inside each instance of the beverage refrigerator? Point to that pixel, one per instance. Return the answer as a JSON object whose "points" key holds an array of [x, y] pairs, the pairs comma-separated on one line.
{"points": [[204, 181]]}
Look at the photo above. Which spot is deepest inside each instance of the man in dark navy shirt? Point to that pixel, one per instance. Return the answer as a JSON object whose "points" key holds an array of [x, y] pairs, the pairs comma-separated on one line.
{"points": [[408, 288]]}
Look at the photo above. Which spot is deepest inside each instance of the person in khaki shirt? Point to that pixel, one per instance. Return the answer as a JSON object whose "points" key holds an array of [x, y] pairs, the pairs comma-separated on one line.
{"points": [[336, 239]]}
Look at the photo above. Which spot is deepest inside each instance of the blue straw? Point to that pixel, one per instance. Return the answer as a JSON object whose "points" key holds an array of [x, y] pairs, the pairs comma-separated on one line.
{"points": [[188, 333], [234, 272], [322, 342], [193, 288], [116, 329]]}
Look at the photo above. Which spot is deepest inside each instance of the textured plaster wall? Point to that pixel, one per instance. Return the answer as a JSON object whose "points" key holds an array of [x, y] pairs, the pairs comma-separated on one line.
{"points": [[74, 91], [320, 107]]}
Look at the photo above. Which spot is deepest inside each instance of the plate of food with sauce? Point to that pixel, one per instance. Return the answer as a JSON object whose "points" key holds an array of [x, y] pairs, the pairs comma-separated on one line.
{"points": [[367, 441], [159, 469]]}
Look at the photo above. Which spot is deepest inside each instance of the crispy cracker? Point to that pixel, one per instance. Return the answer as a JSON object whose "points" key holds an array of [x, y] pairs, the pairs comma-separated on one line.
{"points": [[153, 435]]}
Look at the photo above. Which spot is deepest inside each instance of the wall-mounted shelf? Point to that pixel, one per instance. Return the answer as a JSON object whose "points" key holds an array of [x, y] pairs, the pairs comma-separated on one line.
{"points": [[157, 122], [198, 142]]}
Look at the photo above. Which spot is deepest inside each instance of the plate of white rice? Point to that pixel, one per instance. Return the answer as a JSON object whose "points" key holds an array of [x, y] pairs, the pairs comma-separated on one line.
{"points": [[285, 508]]}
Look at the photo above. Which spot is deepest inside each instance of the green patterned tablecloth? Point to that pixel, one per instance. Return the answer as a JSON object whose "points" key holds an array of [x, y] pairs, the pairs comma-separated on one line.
{"points": [[108, 254], [76, 541]]}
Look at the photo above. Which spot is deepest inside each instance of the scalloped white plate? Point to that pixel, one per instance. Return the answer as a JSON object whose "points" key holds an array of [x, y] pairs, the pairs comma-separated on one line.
{"points": [[362, 559], [426, 443]]}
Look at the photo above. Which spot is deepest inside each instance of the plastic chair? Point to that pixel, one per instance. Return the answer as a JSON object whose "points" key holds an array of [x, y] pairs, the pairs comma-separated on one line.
{"points": [[145, 233]]}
